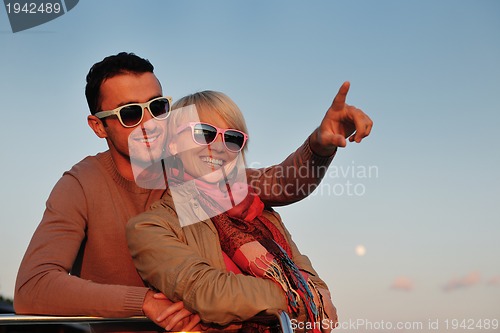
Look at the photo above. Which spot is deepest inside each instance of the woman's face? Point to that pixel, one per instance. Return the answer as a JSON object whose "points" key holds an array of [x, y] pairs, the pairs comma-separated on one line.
{"points": [[204, 161]]}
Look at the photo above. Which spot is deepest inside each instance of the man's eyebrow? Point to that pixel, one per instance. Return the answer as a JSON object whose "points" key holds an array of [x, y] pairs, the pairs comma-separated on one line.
{"points": [[135, 102]]}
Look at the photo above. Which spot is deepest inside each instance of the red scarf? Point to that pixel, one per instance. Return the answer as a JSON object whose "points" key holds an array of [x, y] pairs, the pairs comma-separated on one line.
{"points": [[258, 248]]}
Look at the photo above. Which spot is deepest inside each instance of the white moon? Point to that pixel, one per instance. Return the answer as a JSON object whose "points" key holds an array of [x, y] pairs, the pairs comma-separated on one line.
{"points": [[360, 250]]}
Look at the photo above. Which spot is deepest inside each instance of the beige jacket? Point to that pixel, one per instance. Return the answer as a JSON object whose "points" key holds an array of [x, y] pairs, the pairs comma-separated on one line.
{"points": [[186, 263]]}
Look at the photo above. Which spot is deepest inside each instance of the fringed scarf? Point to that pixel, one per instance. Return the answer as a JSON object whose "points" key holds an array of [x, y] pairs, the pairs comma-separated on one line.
{"points": [[258, 248]]}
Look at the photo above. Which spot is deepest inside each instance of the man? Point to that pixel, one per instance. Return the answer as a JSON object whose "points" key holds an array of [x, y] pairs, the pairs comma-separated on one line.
{"points": [[78, 262]]}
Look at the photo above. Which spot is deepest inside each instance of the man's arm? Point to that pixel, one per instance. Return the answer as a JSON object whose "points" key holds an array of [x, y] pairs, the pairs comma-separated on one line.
{"points": [[291, 180], [44, 285], [301, 172]]}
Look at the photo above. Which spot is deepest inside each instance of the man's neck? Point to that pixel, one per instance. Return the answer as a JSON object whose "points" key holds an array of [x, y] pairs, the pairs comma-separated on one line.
{"points": [[123, 165]]}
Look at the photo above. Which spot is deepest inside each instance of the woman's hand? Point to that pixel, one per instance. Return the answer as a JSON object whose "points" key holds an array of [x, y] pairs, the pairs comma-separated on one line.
{"points": [[167, 314]]}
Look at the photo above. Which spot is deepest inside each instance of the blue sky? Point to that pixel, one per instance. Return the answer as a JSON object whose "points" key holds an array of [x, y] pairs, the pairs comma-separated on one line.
{"points": [[427, 73]]}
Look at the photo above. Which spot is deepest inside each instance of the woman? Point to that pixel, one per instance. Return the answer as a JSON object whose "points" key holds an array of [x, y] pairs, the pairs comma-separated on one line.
{"points": [[209, 242]]}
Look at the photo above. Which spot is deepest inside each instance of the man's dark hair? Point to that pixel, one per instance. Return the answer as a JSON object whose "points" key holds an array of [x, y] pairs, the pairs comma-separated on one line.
{"points": [[109, 67]]}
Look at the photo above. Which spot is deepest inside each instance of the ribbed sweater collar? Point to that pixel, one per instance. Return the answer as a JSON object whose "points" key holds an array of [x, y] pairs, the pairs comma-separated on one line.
{"points": [[109, 165]]}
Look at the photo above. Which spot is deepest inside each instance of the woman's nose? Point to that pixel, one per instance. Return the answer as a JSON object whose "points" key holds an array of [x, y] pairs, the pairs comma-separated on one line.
{"points": [[218, 143], [219, 138]]}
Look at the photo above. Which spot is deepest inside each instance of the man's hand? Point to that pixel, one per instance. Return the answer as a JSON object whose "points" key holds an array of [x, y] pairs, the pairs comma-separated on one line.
{"points": [[169, 315], [330, 311], [341, 121]]}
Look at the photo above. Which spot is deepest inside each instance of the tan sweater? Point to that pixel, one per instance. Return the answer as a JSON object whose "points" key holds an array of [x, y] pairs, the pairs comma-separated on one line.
{"points": [[82, 232]]}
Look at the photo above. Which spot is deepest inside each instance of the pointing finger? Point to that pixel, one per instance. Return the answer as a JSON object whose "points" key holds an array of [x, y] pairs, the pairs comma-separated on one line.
{"points": [[339, 100]]}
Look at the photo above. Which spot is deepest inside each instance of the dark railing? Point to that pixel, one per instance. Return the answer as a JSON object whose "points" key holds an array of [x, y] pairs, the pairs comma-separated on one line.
{"points": [[11, 323]]}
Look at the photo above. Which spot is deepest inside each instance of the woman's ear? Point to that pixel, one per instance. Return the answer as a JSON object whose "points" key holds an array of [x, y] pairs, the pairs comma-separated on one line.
{"points": [[97, 126]]}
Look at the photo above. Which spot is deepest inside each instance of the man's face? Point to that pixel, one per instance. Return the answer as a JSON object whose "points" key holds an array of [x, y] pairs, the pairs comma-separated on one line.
{"points": [[125, 89]]}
